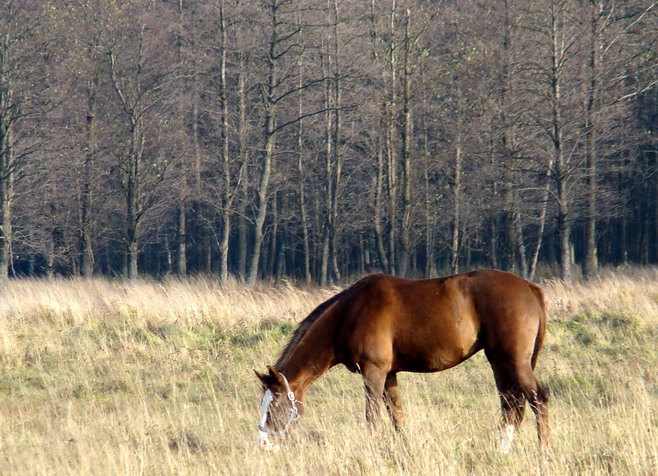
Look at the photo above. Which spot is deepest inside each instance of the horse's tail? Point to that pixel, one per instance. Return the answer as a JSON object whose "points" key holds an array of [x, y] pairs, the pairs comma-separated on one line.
{"points": [[539, 339]]}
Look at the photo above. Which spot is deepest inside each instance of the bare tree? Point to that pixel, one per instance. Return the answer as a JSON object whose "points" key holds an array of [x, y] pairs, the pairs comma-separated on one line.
{"points": [[138, 79], [23, 88]]}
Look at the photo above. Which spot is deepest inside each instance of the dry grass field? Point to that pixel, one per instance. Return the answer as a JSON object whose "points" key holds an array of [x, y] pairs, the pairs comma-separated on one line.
{"points": [[108, 377]]}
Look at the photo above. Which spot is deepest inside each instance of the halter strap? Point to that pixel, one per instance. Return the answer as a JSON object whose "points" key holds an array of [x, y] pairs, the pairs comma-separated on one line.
{"points": [[264, 406]]}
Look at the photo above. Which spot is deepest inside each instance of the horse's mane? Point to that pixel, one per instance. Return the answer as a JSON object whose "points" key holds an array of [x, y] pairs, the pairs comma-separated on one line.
{"points": [[304, 326]]}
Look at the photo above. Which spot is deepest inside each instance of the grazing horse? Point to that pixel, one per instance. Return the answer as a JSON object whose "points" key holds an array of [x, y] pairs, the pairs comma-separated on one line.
{"points": [[383, 325]]}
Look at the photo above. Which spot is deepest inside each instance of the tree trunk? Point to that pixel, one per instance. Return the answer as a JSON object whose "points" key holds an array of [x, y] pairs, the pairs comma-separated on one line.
{"points": [[228, 192], [182, 240], [509, 236], [268, 148], [591, 264], [406, 136], [328, 179], [335, 98], [262, 197], [204, 247], [280, 261], [362, 256], [132, 213], [243, 240], [519, 242], [168, 258], [269, 259], [6, 198], [243, 233], [86, 248], [131, 270], [456, 211], [429, 224], [379, 212], [7, 164], [50, 257], [430, 221], [391, 106], [493, 242], [302, 179], [654, 204], [534, 256], [131, 261], [513, 248], [324, 263], [378, 182], [560, 175]]}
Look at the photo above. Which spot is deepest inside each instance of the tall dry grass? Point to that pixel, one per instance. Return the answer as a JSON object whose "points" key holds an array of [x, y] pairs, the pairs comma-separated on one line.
{"points": [[109, 377]]}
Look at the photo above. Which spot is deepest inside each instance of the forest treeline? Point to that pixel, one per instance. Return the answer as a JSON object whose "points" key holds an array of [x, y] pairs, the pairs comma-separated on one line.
{"points": [[316, 140]]}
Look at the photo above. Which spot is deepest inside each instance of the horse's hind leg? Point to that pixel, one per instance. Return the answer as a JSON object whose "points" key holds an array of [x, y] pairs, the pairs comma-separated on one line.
{"points": [[538, 399], [512, 405], [516, 380], [392, 399]]}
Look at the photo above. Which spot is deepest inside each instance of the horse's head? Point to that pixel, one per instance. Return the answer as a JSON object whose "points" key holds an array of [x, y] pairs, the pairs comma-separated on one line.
{"points": [[279, 408]]}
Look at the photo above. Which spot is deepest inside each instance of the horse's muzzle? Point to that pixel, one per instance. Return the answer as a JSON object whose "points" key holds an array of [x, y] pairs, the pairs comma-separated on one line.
{"points": [[264, 443]]}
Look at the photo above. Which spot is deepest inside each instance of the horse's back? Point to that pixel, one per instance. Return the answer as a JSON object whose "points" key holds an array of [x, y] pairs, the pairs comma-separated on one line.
{"points": [[486, 295]]}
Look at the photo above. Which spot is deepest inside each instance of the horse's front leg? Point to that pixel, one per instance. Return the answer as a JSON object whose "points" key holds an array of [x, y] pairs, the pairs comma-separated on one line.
{"points": [[374, 379], [393, 402]]}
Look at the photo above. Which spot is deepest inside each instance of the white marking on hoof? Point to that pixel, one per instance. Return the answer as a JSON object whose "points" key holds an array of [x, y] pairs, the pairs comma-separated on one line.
{"points": [[506, 439]]}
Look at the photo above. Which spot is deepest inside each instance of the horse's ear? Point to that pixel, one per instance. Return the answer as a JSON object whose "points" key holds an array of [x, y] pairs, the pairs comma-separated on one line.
{"points": [[276, 375], [266, 379]]}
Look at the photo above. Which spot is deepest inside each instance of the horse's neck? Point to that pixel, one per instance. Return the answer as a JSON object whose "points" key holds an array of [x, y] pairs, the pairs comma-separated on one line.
{"points": [[310, 358]]}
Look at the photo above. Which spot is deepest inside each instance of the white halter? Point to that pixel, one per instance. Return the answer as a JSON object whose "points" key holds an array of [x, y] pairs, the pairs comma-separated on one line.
{"points": [[264, 432]]}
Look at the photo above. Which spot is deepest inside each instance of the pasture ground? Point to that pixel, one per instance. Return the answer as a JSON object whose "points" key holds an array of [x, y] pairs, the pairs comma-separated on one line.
{"points": [[108, 377]]}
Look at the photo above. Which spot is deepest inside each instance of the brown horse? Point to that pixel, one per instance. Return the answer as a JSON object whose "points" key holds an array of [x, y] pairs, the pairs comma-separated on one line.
{"points": [[383, 325]]}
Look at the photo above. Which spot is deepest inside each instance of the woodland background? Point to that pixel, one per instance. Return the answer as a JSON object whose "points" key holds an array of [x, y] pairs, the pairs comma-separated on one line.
{"points": [[316, 140]]}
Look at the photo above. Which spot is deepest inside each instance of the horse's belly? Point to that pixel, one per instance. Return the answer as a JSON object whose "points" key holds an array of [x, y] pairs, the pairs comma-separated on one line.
{"points": [[428, 363], [433, 352]]}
